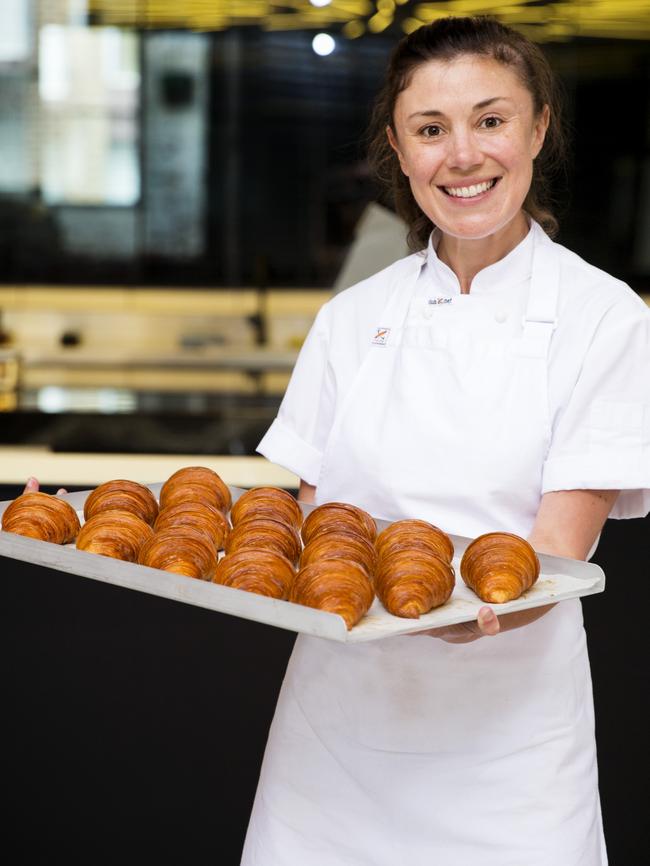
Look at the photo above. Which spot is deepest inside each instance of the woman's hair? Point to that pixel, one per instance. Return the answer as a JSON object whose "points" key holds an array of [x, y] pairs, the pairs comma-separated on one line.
{"points": [[447, 39]]}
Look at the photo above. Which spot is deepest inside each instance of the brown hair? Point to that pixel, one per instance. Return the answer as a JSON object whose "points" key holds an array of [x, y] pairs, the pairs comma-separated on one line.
{"points": [[446, 39]]}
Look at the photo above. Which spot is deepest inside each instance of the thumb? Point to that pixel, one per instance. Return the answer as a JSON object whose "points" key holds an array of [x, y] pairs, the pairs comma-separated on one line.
{"points": [[488, 621], [32, 485]]}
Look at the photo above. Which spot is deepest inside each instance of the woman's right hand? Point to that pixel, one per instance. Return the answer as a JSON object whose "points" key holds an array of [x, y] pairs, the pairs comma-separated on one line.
{"points": [[32, 486]]}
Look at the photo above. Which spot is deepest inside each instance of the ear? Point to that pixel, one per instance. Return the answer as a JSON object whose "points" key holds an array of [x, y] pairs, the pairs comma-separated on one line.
{"points": [[392, 140], [539, 129]]}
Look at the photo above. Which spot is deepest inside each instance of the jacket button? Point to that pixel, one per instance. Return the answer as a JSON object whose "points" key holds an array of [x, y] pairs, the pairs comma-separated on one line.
{"points": [[501, 316]]}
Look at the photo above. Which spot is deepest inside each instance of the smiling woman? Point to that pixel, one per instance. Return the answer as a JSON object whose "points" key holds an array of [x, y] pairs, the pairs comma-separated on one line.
{"points": [[506, 394]]}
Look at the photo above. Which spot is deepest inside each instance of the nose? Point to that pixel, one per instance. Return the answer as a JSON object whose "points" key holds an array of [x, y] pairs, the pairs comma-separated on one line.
{"points": [[464, 152]]}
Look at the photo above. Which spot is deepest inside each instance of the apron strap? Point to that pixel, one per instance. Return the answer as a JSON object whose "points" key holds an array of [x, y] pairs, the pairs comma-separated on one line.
{"points": [[540, 319], [388, 332]]}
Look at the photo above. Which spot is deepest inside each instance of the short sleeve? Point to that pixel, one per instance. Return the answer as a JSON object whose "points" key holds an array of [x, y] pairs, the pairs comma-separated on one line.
{"points": [[601, 437], [297, 437]]}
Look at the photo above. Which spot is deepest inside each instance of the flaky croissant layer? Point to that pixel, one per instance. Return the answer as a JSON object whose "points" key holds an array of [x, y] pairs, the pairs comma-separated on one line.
{"points": [[187, 551], [196, 484], [410, 583], [267, 502], [334, 585], [118, 534], [256, 570], [122, 495], [41, 516], [499, 567]]}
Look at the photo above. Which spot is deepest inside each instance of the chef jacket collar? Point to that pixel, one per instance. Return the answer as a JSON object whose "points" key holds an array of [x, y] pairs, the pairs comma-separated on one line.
{"points": [[511, 270]]}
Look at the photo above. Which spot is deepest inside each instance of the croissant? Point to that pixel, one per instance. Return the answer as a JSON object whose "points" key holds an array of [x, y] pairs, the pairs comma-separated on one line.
{"points": [[267, 502], [499, 566], [195, 483], [413, 582], [411, 535], [122, 495], [198, 515], [340, 544], [42, 516], [119, 534], [338, 515], [265, 533], [187, 551], [256, 570], [334, 585]]}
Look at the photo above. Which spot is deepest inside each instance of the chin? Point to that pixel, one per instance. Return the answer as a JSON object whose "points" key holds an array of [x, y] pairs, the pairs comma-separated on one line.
{"points": [[476, 228]]}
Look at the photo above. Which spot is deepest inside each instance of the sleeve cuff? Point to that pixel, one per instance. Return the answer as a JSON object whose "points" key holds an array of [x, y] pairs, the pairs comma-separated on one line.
{"points": [[611, 472], [282, 446]]}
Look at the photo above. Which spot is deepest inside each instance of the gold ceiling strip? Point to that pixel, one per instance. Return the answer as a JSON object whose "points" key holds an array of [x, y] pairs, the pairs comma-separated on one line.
{"points": [[562, 19]]}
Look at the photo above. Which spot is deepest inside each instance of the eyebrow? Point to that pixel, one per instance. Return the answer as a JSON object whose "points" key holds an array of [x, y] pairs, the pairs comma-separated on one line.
{"points": [[433, 112]]}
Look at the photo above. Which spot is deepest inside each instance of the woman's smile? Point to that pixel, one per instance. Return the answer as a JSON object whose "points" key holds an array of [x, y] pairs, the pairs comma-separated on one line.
{"points": [[470, 191]]}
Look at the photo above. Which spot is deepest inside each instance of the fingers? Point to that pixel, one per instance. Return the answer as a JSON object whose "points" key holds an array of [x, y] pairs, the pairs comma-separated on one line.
{"points": [[488, 621], [32, 486]]}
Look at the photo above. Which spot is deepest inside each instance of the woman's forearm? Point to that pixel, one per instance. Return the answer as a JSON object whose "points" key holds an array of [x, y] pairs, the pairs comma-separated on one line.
{"points": [[568, 523]]}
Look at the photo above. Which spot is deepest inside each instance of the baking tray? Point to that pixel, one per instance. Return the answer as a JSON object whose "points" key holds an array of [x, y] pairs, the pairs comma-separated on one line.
{"points": [[560, 579]]}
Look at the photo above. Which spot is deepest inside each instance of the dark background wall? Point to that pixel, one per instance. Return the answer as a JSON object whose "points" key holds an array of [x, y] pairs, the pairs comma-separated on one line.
{"points": [[134, 727], [252, 163]]}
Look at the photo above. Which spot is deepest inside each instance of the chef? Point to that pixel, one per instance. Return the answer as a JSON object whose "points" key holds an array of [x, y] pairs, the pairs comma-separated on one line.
{"points": [[492, 381]]}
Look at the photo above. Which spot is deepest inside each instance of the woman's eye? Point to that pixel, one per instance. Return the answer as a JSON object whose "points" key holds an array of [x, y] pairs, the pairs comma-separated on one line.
{"points": [[491, 122], [431, 131]]}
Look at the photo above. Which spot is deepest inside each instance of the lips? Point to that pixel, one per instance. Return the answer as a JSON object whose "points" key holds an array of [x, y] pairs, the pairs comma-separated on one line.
{"points": [[470, 190]]}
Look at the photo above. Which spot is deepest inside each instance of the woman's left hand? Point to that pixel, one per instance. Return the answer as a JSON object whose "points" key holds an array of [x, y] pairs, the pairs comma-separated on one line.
{"points": [[486, 625]]}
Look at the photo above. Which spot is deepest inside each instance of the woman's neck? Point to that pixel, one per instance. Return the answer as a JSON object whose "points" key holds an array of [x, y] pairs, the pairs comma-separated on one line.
{"points": [[467, 256]]}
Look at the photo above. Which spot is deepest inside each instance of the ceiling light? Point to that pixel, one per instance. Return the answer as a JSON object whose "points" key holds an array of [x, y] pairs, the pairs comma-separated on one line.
{"points": [[323, 44]]}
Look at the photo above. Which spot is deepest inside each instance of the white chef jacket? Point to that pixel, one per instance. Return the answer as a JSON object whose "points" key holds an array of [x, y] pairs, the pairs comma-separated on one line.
{"points": [[412, 750], [599, 378]]}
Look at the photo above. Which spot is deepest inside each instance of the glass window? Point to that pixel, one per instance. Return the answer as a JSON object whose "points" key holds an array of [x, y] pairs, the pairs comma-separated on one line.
{"points": [[89, 85]]}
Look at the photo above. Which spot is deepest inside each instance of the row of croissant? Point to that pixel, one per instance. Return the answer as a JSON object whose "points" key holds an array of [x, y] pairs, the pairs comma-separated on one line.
{"points": [[332, 559]]}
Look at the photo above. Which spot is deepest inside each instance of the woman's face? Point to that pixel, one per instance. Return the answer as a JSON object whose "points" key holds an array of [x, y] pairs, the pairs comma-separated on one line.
{"points": [[466, 136]]}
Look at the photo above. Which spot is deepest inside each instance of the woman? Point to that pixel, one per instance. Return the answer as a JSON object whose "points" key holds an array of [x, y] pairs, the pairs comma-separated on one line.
{"points": [[494, 381]]}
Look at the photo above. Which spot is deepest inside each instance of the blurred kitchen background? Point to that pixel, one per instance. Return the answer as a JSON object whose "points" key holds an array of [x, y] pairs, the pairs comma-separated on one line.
{"points": [[183, 184]]}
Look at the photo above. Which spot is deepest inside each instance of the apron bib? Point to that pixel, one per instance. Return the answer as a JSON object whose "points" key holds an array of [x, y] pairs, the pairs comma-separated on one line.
{"points": [[447, 419], [410, 750]]}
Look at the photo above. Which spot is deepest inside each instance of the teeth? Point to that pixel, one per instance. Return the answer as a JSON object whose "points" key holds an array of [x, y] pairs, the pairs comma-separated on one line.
{"points": [[469, 191]]}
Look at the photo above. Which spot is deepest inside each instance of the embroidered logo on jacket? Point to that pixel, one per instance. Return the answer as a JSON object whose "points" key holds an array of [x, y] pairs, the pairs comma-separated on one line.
{"points": [[381, 336], [439, 301]]}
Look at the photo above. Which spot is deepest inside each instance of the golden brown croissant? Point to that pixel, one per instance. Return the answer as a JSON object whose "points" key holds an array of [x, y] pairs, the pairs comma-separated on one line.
{"points": [[334, 585], [413, 582], [198, 515], [119, 534], [414, 534], [267, 502], [121, 495], [333, 516], [499, 566], [42, 516], [256, 570], [267, 534], [196, 484], [341, 544], [184, 551]]}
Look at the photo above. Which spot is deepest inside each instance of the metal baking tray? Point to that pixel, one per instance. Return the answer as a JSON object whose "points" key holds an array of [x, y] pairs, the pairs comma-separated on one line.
{"points": [[560, 579]]}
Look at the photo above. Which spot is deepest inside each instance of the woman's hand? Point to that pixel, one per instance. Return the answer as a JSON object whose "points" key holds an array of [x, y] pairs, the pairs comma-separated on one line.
{"points": [[486, 625], [32, 486]]}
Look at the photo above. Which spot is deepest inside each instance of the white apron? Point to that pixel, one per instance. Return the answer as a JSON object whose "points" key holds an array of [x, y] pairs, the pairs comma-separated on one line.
{"points": [[411, 750]]}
